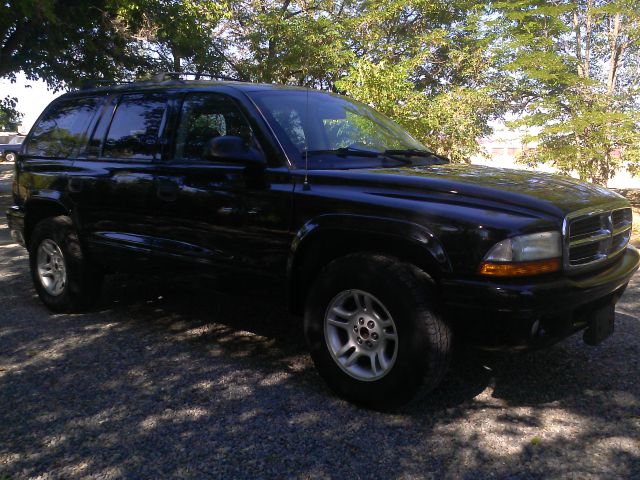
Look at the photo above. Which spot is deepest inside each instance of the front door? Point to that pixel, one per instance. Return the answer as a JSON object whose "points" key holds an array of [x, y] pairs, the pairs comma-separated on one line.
{"points": [[221, 212]]}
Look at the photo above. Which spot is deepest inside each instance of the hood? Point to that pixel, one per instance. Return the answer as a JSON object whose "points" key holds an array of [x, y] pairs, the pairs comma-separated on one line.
{"points": [[552, 194]]}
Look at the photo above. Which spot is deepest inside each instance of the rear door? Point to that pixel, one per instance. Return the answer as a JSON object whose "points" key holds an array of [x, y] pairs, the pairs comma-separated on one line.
{"points": [[113, 181], [221, 212]]}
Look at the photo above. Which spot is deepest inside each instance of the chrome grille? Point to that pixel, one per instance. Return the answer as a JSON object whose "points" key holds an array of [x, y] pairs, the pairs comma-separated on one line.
{"points": [[595, 236]]}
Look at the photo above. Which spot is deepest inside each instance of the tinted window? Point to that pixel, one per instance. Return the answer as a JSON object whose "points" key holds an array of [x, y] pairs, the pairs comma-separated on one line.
{"points": [[289, 120], [205, 117], [135, 127], [95, 143], [318, 125], [63, 129]]}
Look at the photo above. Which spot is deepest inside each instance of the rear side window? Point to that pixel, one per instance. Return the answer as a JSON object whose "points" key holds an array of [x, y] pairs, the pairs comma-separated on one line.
{"points": [[63, 129], [135, 127], [95, 143]]}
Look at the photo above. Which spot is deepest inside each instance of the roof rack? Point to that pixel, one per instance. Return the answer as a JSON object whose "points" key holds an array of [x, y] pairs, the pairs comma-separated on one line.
{"points": [[164, 76], [89, 84], [156, 78]]}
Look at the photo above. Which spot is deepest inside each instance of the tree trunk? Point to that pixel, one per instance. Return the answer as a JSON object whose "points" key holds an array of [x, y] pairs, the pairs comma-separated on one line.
{"points": [[616, 51], [577, 30], [587, 40], [177, 60]]}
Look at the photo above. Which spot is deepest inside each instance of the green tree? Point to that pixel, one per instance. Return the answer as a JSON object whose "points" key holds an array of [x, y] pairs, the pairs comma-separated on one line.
{"points": [[449, 122], [175, 35], [441, 68], [428, 65], [9, 116], [574, 64], [67, 42], [63, 42], [290, 41]]}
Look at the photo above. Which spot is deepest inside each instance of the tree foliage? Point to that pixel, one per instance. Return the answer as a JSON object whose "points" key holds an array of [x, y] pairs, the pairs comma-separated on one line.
{"points": [[575, 66], [448, 122], [9, 115], [427, 65], [174, 35], [290, 41], [63, 41], [570, 69]]}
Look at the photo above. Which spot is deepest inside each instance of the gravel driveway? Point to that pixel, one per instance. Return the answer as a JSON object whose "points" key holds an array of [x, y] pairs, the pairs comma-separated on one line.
{"points": [[167, 379]]}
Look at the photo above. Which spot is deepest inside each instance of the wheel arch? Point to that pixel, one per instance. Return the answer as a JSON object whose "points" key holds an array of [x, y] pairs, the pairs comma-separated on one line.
{"points": [[39, 208], [331, 236]]}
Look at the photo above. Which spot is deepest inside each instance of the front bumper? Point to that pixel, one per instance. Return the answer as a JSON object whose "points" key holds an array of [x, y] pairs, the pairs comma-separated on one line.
{"points": [[527, 313]]}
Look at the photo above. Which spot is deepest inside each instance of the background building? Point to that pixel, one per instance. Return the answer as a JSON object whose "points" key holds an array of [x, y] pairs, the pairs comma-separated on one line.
{"points": [[503, 148]]}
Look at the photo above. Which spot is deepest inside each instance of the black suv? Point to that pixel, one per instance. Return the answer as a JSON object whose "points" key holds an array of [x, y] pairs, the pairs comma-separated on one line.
{"points": [[388, 250]]}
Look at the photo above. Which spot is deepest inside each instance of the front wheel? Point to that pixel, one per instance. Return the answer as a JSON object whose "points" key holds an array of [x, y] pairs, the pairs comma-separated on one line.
{"points": [[10, 157], [62, 276], [373, 332]]}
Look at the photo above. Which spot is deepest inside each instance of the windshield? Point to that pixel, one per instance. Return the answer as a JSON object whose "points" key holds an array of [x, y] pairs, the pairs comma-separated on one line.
{"points": [[337, 132]]}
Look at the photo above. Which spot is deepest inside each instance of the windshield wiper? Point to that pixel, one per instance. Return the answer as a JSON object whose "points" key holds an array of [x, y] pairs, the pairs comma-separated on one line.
{"points": [[412, 152], [398, 155], [344, 151]]}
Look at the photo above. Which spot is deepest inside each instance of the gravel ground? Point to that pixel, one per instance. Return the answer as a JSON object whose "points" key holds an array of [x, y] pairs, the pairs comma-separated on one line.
{"points": [[168, 379]]}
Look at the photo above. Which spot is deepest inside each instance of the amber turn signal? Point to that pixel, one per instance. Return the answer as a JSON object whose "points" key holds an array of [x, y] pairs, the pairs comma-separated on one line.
{"points": [[520, 269]]}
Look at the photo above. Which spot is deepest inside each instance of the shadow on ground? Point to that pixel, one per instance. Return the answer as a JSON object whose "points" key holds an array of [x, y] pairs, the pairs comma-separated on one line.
{"points": [[185, 378]]}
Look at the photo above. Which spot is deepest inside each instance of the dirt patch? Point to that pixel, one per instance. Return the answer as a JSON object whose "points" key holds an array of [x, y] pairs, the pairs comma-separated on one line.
{"points": [[635, 233], [632, 194]]}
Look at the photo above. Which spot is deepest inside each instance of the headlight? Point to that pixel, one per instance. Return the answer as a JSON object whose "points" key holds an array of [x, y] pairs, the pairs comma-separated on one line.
{"points": [[531, 254]]}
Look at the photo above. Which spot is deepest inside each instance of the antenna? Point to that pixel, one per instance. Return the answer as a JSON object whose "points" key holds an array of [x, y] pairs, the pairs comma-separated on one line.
{"points": [[305, 185]]}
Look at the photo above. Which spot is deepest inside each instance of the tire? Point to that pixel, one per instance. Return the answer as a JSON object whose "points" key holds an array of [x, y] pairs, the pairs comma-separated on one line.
{"points": [[54, 247], [10, 157], [394, 290]]}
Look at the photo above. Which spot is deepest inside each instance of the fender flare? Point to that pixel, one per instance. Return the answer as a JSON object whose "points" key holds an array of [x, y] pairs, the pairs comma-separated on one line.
{"points": [[382, 226], [418, 236], [47, 200], [50, 196]]}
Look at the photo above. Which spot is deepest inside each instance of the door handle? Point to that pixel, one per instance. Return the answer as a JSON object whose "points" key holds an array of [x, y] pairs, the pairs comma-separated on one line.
{"points": [[167, 192], [74, 185]]}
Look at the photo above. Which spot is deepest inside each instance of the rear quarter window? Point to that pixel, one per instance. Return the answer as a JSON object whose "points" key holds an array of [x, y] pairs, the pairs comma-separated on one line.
{"points": [[63, 129]]}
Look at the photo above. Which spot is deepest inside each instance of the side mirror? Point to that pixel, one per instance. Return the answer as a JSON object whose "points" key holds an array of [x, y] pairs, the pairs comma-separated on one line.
{"points": [[234, 149]]}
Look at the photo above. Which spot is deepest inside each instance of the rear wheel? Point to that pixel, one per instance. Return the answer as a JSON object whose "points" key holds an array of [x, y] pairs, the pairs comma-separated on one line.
{"points": [[373, 332], [63, 278]]}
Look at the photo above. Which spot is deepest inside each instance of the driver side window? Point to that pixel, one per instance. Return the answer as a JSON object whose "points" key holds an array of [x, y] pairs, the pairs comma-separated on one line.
{"points": [[204, 117]]}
